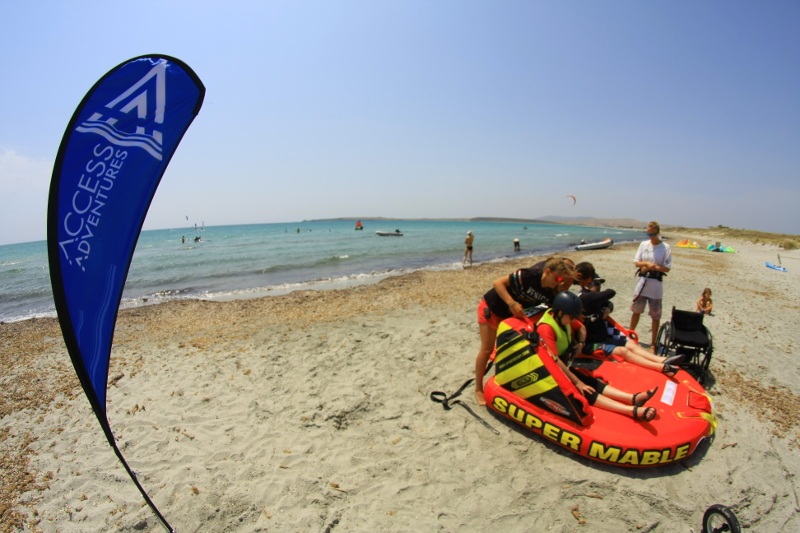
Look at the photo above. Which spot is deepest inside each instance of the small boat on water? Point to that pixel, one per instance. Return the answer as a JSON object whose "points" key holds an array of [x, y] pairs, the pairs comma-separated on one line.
{"points": [[359, 226], [395, 233], [605, 243]]}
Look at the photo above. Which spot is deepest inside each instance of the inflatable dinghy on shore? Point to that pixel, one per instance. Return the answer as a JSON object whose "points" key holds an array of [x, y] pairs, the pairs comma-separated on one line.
{"points": [[557, 411], [605, 243]]}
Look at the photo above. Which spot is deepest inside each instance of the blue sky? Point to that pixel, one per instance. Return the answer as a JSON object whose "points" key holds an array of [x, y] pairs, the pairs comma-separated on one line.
{"points": [[686, 112]]}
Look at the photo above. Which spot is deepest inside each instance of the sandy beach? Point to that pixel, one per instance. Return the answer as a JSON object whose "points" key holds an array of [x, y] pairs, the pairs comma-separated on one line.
{"points": [[311, 412]]}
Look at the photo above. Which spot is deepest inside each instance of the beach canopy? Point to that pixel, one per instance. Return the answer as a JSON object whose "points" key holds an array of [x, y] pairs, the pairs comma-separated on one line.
{"points": [[113, 154]]}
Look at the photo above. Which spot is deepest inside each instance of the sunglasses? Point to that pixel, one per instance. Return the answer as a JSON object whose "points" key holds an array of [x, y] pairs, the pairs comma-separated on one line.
{"points": [[652, 234]]}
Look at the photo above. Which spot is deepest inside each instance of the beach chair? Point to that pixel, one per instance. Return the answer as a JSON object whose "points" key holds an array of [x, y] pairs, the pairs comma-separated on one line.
{"points": [[686, 335]]}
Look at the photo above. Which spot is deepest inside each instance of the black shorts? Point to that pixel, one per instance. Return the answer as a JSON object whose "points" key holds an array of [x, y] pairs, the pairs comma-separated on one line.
{"points": [[596, 384]]}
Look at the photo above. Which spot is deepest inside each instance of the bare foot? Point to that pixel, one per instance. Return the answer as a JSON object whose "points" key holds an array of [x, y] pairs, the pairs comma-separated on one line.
{"points": [[479, 397]]}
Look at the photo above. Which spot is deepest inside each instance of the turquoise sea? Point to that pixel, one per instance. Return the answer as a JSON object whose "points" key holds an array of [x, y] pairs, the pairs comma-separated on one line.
{"points": [[269, 259]]}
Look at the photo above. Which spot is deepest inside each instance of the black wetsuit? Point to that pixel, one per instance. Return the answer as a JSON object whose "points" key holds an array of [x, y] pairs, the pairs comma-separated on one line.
{"points": [[594, 306]]}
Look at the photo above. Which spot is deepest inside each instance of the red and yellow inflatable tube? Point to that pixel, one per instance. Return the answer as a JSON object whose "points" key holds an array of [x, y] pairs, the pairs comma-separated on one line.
{"points": [[685, 413]]}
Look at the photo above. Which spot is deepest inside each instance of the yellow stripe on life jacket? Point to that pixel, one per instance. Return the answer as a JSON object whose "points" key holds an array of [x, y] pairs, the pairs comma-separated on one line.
{"points": [[563, 336], [519, 367]]}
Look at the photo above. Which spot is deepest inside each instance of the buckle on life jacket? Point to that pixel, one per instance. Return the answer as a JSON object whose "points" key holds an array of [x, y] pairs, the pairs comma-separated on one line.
{"points": [[652, 274]]}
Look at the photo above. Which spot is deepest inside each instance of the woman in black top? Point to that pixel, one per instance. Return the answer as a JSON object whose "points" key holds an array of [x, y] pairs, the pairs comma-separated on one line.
{"points": [[510, 296]]}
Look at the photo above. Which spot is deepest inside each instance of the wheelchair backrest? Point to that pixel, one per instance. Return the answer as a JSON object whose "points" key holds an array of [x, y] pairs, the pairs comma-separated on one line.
{"points": [[687, 320]]}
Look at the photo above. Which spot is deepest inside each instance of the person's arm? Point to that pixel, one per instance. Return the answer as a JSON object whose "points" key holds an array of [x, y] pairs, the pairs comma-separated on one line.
{"points": [[593, 300], [579, 334], [547, 348], [580, 385], [480, 372], [667, 266], [644, 266], [501, 286], [637, 259], [659, 268]]}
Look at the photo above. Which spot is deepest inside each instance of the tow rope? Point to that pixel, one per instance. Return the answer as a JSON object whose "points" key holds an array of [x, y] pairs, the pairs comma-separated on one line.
{"points": [[449, 401]]}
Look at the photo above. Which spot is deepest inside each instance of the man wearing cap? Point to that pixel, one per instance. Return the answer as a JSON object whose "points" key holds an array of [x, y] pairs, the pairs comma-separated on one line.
{"points": [[468, 252], [586, 274]]}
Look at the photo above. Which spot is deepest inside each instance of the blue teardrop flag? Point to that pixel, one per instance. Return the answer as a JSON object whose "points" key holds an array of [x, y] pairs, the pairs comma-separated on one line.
{"points": [[111, 159]]}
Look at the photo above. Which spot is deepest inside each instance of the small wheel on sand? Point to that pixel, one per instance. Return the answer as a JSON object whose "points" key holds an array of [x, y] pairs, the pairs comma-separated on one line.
{"points": [[719, 518]]}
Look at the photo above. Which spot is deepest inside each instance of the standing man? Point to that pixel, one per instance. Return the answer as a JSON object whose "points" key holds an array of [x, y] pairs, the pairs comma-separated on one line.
{"points": [[653, 260], [468, 251]]}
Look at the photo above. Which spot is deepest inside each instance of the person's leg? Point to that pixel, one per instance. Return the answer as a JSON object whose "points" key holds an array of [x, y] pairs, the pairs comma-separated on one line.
{"points": [[637, 307], [488, 334], [638, 398], [634, 357], [656, 325], [609, 404], [633, 411], [612, 399], [638, 351], [655, 314], [662, 364]]}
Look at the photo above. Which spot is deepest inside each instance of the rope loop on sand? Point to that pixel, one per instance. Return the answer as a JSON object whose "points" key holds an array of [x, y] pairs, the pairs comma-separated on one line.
{"points": [[449, 401]]}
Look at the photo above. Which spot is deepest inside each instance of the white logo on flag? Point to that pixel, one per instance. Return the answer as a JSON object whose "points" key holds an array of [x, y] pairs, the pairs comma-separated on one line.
{"points": [[146, 98]]}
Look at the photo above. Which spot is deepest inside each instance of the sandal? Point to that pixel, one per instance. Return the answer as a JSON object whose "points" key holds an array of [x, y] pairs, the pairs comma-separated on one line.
{"points": [[647, 415], [669, 370], [648, 394]]}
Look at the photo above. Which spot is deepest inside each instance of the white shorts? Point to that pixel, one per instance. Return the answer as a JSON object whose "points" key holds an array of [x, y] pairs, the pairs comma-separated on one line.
{"points": [[655, 306]]}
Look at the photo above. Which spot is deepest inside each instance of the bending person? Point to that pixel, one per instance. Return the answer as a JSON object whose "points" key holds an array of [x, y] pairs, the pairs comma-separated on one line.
{"points": [[557, 329], [510, 296]]}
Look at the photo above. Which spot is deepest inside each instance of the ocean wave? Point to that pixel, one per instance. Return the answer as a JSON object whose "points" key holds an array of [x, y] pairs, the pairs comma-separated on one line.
{"points": [[289, 267], [192, 293], [249, 261]]}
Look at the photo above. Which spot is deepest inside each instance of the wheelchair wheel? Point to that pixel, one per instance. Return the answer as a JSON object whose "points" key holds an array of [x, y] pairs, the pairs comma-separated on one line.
{"points": [[719, 518], [662, 340]]}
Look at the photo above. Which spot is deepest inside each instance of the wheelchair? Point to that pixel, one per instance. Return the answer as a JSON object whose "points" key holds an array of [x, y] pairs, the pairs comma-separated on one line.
{"points": [[686, 335]]}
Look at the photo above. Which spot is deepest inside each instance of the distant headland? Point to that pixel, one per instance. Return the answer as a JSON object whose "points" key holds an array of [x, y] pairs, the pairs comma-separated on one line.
{"points": [[572, 221]]}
